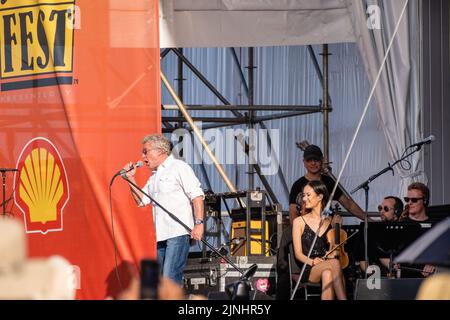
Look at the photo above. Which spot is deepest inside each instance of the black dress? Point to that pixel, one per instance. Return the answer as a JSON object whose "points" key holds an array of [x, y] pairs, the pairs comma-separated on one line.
{"points": [[319, 250]]}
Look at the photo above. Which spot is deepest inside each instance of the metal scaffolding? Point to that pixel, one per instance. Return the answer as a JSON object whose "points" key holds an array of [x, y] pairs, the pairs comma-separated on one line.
{"points": [[250, 118]]}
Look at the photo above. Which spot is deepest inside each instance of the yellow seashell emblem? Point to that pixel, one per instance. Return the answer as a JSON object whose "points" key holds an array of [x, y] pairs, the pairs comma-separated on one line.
{"points": [[41, 186]]}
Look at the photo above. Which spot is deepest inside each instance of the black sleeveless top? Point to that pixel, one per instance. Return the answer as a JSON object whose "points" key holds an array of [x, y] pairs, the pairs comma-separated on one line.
{"points": [[319, 250], [321, 245]]}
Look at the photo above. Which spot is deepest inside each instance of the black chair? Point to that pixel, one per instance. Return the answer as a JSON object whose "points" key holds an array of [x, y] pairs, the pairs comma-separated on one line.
{"points": [[295, 268], [283, 275], [288, 270]]}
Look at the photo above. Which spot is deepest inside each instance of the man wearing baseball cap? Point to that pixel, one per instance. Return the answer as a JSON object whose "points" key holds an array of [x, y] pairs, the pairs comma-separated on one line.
{"points": [[312, 160]]}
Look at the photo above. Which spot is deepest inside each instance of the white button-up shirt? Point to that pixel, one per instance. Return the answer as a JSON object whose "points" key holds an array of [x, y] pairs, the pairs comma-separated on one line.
{"points": [[173, 185]]}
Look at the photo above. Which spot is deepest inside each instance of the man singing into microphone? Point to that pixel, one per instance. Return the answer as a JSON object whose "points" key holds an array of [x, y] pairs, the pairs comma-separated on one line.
{"points": [[174, 185]]}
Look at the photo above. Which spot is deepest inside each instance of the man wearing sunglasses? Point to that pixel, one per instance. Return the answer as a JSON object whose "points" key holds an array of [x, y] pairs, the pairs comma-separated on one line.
{"points": [[174, 185], [390, 209], [417, 200]]}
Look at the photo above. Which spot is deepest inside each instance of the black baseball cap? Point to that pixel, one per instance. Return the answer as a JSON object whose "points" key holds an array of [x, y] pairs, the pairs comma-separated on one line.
{"points": [[312, 152]]}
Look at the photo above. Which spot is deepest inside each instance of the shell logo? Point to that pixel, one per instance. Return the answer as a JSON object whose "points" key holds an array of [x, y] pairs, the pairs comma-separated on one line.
{"points": [[42, 189]]}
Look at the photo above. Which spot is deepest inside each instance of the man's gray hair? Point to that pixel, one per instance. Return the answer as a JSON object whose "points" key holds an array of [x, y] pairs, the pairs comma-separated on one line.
{"points": [[159, 142]]}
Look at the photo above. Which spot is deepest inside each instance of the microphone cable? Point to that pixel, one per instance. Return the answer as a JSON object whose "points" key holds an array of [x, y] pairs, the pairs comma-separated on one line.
{"points": [[116, 267], [114, 237], [405, 161]]}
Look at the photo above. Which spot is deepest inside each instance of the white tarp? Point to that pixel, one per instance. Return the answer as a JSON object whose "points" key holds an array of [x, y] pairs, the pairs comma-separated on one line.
{"points": [[397, 92], [244, 23], [228, 23]]}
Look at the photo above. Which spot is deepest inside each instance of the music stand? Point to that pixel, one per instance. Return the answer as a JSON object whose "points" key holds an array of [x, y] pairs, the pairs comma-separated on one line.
{"points": [[391, 238]]}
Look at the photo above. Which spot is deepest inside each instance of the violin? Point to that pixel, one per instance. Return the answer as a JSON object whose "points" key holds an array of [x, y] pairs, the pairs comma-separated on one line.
{"points": [[336, 237]]}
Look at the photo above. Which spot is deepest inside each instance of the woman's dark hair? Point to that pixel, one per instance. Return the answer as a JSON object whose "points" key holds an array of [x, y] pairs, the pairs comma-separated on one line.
{"points": [[319, 188]]}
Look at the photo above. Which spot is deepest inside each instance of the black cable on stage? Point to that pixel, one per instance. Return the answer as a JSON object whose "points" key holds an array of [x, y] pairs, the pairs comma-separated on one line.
{"points": [[114, 236], [113, 232]]}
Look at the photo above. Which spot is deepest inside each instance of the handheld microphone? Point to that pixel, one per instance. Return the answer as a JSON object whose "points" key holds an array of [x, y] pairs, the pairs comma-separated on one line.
{"points": [[123, 171], [428, 140]]}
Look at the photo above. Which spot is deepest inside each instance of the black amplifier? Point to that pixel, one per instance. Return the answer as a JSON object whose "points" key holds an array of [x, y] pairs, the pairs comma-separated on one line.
{"points": [[201, 275]]}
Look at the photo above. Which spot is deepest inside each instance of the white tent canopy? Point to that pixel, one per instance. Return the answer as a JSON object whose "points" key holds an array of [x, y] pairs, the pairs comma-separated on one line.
{"points": [[237, 23]]}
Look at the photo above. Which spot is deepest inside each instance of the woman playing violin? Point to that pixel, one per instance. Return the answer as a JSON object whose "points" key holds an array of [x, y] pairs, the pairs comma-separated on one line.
{"points": [[315, 197]]}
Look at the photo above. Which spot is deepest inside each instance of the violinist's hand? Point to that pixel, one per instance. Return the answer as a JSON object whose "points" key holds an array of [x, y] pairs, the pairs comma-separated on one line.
{"points": [[398, 270], [316, 261], [427, 270]]}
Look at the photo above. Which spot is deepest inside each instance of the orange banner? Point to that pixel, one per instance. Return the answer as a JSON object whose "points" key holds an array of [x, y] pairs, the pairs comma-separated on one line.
{"points": [[79, 88]]}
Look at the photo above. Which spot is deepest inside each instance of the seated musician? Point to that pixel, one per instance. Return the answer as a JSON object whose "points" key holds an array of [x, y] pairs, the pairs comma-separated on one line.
{"points": [[417, 200], [315, 197], [390, 210]]}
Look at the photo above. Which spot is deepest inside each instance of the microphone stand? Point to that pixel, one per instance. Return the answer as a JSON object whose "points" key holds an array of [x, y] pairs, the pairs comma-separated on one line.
{"points": [[365, 186], [189, 229]]}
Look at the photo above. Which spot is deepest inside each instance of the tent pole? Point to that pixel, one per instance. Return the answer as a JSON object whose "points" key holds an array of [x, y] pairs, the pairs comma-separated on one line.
{"points": [[180, 80], [325, 103], [251, 114], [251, 146], [317, 68]]}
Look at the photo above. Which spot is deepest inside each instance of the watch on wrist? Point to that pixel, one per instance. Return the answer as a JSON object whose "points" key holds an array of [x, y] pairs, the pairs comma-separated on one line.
{"points": [[198, 221]]}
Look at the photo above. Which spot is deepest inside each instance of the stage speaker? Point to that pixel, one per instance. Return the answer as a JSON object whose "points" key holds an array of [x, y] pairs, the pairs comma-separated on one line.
{"points": [[239, 241], [217, 295], [388, 289]]}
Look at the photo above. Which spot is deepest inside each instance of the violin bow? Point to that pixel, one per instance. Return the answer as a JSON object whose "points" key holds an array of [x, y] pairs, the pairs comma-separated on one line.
{"points": [[340, 244], [416, 270]]}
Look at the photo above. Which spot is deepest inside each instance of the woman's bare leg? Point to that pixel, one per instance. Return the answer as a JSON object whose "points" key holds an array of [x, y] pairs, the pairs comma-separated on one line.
{"points": [[327, 285], [337, 276], [338, 279]]}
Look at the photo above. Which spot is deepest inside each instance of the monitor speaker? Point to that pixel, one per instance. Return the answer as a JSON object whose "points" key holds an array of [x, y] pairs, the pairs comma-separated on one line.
{"points": [[388, 289]]}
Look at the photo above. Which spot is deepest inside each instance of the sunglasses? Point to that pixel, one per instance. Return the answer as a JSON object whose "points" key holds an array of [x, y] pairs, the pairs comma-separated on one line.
{"points": [[385, 208], [413, 200]]}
